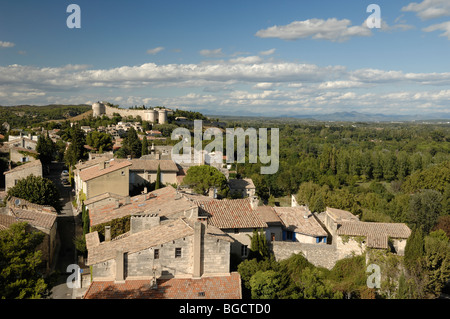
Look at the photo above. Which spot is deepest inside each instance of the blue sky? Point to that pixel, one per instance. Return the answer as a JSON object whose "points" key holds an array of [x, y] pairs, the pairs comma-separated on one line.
{"points": [[229, 57]]}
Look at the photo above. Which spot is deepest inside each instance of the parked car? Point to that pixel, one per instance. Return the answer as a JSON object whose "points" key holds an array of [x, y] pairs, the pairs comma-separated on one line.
{"points": [[65, 173]]}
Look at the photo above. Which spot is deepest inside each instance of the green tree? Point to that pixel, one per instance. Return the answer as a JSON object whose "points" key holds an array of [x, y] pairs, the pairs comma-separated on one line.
{"points": [[414, 249], [144, 146], [266, 284], [46, 149], [131, 145], [258, 245], [425, 208], [20, 263], [436, 263], [76, 150], [202, 178], [158, 178], [37, 190], [99, 140]]}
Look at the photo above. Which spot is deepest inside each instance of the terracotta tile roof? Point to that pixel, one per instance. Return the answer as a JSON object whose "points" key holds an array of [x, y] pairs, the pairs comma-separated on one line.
{"points": [[15, 202], [268, 214], [6, 221], [232, 213], [341, 215], [95, 171], [163, 233], [36, 215], [151, 165], [164, 201], [95, 161], [35, 218], [103, 196], [377, 233], [294, 220], [24, 166], [214, 287]]}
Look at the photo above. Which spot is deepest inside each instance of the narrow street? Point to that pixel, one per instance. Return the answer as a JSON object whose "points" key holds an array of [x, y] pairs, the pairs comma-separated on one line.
{"points": [[66, 254]]}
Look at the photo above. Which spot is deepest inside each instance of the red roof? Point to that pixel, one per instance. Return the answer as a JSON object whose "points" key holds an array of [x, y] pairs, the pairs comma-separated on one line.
{"points": [[232, 213], [216, 287]]}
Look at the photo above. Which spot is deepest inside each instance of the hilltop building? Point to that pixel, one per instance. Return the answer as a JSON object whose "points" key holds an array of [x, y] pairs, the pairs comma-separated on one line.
{"points": [[156, 115]]}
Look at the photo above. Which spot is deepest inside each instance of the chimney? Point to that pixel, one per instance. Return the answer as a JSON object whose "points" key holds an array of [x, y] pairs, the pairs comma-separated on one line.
{"points": [[127, 200], [107, 233], [119, 278], [254, 202], [198, 234]]}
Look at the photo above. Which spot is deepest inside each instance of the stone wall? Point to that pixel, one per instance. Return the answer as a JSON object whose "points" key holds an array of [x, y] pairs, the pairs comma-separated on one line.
{"points": [[215, 255], [321, 255], [11, 178]]}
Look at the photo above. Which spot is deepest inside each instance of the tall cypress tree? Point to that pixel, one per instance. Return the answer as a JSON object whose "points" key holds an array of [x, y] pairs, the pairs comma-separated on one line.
{"points": [[158, 178]]}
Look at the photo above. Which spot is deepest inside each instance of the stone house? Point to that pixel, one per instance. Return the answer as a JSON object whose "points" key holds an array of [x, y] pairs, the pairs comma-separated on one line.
{"points": [[22, 171], [243, 187], [40, 218], [144, 170], [167, 202], [299, 225], [235, 217], [106, 176], [154, 248], [351, 236]]}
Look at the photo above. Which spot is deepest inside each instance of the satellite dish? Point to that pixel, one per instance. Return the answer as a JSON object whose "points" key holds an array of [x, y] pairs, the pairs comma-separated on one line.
{"points": [[17, 202]]}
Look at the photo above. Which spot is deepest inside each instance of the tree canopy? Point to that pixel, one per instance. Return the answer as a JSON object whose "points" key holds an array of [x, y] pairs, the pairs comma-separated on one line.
{"points": [[20, 263], [202, 178], [37, 190]]}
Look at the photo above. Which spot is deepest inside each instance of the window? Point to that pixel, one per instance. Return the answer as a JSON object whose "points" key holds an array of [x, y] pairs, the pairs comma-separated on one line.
{"points": [[177, 252], [289, 235], [244, 250], [156, 254]]}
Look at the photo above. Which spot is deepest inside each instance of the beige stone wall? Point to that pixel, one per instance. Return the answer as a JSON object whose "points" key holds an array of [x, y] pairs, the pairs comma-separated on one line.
{"points": [[114, 182], [11, 178], [347, 248]]}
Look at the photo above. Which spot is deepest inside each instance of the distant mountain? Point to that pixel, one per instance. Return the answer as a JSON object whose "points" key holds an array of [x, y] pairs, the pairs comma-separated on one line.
{"points": [[366, 117]]}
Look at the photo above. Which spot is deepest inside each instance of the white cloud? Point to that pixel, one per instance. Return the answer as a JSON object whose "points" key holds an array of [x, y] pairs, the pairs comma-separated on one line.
{"points": [[248, 82], [212, 53], [429, 9], [445, 26], [331, 29], [268, 52], [5, 44], [155, 50]]}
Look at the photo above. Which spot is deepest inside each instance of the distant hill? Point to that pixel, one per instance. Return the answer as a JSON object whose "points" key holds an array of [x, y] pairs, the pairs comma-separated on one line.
{"points": [[21, 116], [344, 117], [366, 117]]}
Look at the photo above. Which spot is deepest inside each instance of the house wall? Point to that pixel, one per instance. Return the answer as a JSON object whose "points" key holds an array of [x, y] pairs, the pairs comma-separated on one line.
{"points": [[139, 177], [215, 256], [17, 157], [240, 239], [113, 182], [348, 248], [399, 245], [11, 178], [140, 264], [274, 230]]}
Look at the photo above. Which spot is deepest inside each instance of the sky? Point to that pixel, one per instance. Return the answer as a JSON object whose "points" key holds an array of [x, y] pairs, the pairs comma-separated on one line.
{"points": [[229, 57]]}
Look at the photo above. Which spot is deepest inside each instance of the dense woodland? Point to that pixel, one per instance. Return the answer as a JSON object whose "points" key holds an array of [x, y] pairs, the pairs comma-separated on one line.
{"points": [[383, 172]]}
